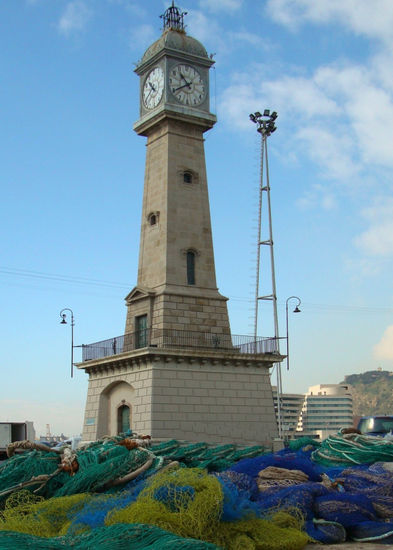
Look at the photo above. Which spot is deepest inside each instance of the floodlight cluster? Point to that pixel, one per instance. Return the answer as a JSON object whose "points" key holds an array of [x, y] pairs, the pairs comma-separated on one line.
{"points": [[265, 121]]}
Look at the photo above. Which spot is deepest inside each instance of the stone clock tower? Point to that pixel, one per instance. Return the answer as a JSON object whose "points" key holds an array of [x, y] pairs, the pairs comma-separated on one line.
{"points": [[178, 372], [176, 287]]}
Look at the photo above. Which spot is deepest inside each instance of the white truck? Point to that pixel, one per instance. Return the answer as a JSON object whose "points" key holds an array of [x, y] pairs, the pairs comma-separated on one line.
{"points": [[14, 431]]}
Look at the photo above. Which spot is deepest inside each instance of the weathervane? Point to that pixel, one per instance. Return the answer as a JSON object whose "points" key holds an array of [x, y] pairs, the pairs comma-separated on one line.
{"points": [[173, 18]]}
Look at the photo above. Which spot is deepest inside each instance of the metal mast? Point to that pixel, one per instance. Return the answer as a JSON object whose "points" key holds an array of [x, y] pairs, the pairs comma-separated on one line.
{"points": [[266, 126]]}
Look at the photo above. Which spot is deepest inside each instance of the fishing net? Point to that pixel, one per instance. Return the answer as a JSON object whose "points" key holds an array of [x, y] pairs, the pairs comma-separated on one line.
{"points": [[189, 502], [115, 537], [24, 513], [94, 476], [165, 503], [97, 468], [367, 481], [287, 460], [237, 503], [201, 455], [345, 508], [350, 449], [369, 531], [326, 532], [279, 533], [94, 512], [299, 498], [302, 442], [21, 469]]}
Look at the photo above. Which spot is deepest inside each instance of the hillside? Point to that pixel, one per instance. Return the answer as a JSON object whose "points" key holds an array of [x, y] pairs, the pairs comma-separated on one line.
{"points": [[372, 392]]}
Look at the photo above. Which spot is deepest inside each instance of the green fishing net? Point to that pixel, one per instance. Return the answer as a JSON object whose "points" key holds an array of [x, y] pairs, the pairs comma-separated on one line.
{"points": [[115, 537]]}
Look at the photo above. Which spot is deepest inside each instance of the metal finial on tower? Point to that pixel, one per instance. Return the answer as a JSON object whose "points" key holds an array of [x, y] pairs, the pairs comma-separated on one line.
{"points": [[173, 18]]}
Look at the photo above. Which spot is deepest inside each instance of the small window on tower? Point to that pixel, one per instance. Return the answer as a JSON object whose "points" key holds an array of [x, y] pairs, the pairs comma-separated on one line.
{"points": [[190, 267], [152, 218], [187, 177]]}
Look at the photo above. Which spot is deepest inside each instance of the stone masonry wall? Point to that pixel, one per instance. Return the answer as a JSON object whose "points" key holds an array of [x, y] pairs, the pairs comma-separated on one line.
{"points": [[215, 403]]}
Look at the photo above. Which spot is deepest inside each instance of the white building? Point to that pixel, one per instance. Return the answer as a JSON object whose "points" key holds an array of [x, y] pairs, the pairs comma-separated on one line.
{"points": [[321, 412]]}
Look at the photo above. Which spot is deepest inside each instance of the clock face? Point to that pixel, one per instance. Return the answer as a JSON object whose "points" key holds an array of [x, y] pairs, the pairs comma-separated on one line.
{"points": [[187, 85], [153, 88]]}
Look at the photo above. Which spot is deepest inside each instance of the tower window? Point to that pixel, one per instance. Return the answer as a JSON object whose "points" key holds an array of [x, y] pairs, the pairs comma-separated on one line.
{"points": [[187, 177], [152, 218], [190, 267]]}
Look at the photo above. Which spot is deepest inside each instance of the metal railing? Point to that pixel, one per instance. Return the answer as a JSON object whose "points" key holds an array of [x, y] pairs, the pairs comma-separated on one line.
{"points": [[166, 338]]}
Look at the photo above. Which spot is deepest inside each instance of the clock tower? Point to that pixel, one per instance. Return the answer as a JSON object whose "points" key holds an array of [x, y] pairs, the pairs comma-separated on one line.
{"points": [[178, 372], [176, 288]]}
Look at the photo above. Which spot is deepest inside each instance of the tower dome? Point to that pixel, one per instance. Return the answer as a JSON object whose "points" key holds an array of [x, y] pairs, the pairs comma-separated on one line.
{"points": [[173, 39]]}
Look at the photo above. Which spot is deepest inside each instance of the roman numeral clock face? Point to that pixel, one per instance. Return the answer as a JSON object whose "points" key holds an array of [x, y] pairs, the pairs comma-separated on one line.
{"points": [[187, 85]]}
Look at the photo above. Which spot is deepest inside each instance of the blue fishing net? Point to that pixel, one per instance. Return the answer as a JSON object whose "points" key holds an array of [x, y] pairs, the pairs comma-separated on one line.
{"points": [[368, 531], [367, 481], [94, 512], [175, 497], [237, 503], [345, 508], [295, 497], [326, 532], [286, 459]]}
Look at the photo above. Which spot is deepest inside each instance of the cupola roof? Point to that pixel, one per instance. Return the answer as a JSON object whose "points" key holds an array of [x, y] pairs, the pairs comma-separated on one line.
{"points": [[175, 40]]}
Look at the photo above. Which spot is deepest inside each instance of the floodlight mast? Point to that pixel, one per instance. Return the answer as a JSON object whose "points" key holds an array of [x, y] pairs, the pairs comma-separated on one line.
{"points": [[266, 126]]}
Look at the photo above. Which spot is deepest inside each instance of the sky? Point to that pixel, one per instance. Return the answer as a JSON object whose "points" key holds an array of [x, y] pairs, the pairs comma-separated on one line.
{"points": [[72, 181]]}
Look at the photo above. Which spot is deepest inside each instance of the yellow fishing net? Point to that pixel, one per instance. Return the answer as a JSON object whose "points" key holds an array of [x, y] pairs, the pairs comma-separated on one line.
{"points": [[27, 513], [188, 502], [185, 501]]}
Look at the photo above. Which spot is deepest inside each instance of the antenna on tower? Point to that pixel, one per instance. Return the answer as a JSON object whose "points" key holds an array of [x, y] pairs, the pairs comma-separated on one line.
{"points": [[266, 126]]}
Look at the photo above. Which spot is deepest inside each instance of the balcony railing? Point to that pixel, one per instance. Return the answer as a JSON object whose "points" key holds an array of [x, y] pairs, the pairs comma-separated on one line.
{"points": [[165, 338]]}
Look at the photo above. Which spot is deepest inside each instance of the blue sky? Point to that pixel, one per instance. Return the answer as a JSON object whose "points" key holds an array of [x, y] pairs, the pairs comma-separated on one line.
{"points": [[72, 181]]}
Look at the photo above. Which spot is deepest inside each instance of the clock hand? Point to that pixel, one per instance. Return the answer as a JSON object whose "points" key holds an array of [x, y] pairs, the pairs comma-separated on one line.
{"points": [[152, 87], [184, 85]]}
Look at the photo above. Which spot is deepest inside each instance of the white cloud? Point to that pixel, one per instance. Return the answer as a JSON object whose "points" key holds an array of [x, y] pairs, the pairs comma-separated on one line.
{"points": [[377, 240], [198, 25], [384, 348], [249, 38], [371, 19], [142, 36], [331, 151], [221, 5], [74, 17], [317, 196]]}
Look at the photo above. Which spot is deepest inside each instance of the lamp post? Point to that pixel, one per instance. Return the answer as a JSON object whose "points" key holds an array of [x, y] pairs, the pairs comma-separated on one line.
{"points": [[296, 310], [64, 322]]}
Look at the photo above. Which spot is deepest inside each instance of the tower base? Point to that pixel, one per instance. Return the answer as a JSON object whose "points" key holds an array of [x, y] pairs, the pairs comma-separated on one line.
{"points": [[204, 395]]}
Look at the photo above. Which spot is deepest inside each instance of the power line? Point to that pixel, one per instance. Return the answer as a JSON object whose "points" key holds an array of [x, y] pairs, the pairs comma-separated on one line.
{"points": [[61, 278], [307, 306]]}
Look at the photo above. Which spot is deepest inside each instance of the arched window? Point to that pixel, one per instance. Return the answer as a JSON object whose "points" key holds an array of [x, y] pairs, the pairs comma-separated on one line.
{"points": [[152, 218], [190, 267], [123, 419], [187, 177]]}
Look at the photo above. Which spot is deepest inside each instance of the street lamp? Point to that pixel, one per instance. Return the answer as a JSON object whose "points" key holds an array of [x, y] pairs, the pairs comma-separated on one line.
{"points": [[64, 322], [296, 310]]}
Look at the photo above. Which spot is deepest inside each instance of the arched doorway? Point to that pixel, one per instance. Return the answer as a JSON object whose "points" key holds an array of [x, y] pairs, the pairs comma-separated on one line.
{"points": [[123, 419]]}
